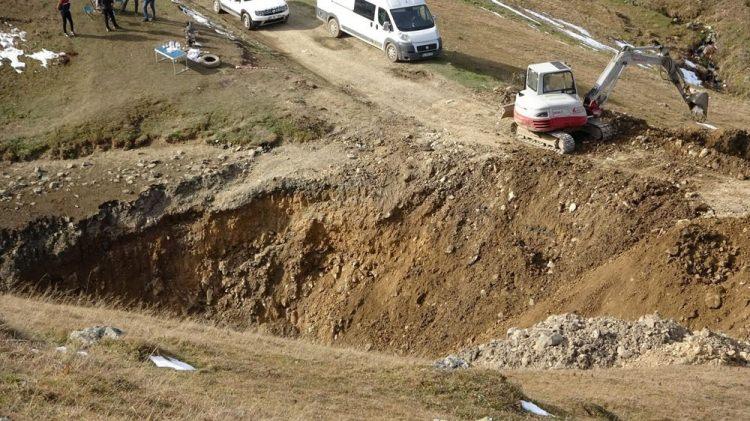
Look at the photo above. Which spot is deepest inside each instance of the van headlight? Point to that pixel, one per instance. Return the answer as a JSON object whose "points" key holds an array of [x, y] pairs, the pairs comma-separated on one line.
{"points": [[404, 37]]}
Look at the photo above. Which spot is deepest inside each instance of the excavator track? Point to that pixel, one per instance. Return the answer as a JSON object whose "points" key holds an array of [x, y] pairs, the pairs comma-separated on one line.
{"points": [[560, 142], [599, 130]]}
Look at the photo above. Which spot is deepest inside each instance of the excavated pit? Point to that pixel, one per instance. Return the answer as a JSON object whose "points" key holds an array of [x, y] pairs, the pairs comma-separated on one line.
{"points": [[417, 255]]}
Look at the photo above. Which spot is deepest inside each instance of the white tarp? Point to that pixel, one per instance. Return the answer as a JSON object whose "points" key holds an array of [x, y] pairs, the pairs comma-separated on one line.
{"points": [[173, 363], [9, 51], [534, 409]]}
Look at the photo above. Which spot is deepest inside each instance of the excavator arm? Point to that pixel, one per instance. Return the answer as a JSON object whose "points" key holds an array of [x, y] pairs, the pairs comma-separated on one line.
{"points": [[658, 56]]}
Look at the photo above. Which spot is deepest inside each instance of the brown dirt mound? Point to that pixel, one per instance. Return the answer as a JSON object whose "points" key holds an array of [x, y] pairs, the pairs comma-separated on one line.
{"points": [[697, 273], [730, 142]]}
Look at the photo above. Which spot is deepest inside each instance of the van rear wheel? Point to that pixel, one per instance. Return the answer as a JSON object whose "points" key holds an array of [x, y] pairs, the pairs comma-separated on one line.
{"points": [[391, 51], [217, 7], [334, 29]]}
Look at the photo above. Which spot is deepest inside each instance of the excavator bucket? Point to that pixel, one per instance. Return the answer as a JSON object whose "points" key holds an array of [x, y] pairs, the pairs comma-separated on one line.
{"points": [[699, 106], [508, 110]]}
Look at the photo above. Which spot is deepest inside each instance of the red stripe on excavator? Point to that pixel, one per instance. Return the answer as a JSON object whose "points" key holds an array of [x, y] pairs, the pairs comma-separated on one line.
{"points": [[550, 124]]}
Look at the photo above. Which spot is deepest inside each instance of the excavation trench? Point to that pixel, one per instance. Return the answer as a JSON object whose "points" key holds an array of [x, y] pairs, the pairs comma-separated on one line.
{"points": [[422, 256]]}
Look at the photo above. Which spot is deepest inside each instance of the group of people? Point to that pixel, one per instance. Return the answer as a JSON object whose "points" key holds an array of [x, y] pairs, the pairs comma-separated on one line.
{"points": [[107, 8]]}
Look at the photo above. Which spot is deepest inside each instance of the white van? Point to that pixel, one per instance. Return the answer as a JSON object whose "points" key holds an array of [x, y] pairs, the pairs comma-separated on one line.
{"points": [[404, 29], [255, 13]]}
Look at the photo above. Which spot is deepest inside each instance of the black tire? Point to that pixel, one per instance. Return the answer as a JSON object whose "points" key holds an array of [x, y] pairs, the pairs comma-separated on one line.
{"points": [[334, 29], [209, 61], [217, 7], [391, 52], [247, 21]]}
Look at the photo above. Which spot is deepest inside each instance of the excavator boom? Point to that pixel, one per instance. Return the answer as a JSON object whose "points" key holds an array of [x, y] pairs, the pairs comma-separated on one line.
{"points": [[658, 56]]}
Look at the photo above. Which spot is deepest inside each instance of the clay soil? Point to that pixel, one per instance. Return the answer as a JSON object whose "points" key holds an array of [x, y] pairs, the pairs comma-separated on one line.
{"points": [[397, 213]]}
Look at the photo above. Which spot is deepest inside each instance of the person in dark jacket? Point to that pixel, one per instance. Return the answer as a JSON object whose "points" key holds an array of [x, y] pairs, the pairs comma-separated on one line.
{"points": [[146, 4], [125, 4], [108, 11], [64, 7]]}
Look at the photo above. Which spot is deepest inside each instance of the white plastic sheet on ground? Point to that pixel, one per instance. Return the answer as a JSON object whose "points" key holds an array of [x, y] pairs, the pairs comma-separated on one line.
{"points": [[173, 363], [534, 409], [10, 37], [691, 78], [574, 31], [8, 50], [64, 349], [44, 56], [706, 125]]}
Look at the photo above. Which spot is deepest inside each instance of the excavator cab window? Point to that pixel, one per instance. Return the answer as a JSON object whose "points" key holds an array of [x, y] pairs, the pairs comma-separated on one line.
{"points": [[532, 80], [559, 82]]}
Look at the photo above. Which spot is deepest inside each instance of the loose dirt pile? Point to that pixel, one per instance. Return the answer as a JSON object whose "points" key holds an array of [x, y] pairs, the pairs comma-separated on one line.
{"points": [[571, 341], [706, 255]]}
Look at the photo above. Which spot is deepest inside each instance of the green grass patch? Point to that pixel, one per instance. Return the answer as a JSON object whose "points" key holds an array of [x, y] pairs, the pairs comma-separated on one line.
{"points": [[269, 129]]}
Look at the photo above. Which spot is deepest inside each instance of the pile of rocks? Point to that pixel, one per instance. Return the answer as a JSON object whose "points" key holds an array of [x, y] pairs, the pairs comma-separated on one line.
{"points": [[571, 341]]}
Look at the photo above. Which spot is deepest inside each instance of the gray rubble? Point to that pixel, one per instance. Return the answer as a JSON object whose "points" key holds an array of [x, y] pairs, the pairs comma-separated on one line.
{"points": [[92, 335], [571, 341]]}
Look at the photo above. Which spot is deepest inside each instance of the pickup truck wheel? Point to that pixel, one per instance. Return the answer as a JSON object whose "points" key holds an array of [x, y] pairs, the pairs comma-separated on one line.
{"points": [[334, 30], [248, 21], [217, 7], [391, 51]]}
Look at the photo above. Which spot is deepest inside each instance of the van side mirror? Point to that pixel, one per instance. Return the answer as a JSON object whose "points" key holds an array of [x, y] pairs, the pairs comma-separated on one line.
{"points": [[387, 27]]}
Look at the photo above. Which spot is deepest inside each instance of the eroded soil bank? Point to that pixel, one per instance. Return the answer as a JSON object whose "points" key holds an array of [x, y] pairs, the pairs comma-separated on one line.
{"points": [[419, 249]]}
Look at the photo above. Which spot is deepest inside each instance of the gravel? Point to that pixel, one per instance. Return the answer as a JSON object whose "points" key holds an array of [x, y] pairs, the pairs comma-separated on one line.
{"points": [[571, 341]]}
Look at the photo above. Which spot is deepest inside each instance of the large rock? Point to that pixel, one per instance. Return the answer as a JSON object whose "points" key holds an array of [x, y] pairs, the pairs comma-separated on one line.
{"points": [[92, 335]]}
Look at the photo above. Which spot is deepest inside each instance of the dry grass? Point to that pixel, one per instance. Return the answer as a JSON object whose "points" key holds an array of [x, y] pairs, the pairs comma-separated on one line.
{"points": [[241, 375]]}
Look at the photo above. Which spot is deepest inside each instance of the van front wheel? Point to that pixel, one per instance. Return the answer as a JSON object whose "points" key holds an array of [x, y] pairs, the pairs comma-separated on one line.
{"points": [[391, 51], [334, 30], [248, 21], [217, 7]]}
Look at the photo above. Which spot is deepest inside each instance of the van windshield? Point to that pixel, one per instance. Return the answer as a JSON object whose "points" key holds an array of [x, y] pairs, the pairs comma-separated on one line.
{"points": [[413, 18]]}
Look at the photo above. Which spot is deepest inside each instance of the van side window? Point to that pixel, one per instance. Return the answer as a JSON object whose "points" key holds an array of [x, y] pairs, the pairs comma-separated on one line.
{"points": [[364, 9], [383, 17], [532, 80]]}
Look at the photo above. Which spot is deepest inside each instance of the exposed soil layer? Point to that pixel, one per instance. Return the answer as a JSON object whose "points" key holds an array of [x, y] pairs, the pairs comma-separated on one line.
{"points": [[413, 254]]}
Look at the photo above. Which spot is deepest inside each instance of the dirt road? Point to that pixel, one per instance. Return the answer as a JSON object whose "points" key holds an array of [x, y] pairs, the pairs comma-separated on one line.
{"points": [[416, 93], [363, 72]]}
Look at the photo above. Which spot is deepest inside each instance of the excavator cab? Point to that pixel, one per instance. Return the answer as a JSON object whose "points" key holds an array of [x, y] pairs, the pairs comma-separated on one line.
{"points": [[549, 102]]}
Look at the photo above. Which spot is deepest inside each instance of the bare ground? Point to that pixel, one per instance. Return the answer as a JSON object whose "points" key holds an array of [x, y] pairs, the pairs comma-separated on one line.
{"points": [[394, 229]]}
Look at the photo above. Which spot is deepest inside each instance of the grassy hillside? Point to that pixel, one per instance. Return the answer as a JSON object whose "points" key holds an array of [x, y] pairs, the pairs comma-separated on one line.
{"points": [[113, 94], [730, 19], [641, 22], [239, 375]]}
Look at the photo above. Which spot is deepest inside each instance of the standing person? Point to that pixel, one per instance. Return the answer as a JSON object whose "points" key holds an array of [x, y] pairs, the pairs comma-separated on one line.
{"points": [[64, 7], [108, 11], [146, 17], [125, 4]]}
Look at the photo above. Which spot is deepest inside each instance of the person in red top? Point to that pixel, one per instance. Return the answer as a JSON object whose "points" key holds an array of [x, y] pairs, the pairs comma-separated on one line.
{"points": [[64, 7]]}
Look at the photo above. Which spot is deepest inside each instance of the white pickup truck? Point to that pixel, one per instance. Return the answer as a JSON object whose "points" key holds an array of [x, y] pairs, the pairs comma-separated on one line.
{"points": [[255, 13]]}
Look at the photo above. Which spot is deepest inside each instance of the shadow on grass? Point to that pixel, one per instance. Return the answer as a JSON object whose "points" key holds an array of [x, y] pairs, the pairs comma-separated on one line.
{"points": [[476, 71]]}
